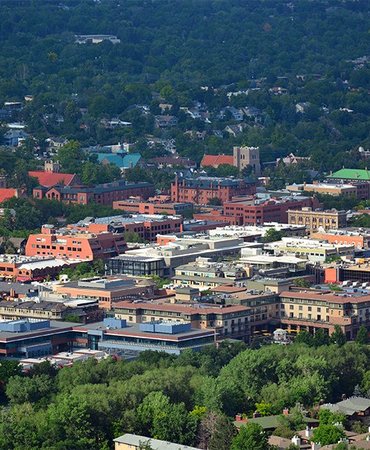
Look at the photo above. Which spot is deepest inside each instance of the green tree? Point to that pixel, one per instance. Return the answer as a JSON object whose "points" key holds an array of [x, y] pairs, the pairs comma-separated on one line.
{"points": [[362, 336], [272, 235], [215, 201], [327, 434], [25, 389], [250, 437], [338, 337]]}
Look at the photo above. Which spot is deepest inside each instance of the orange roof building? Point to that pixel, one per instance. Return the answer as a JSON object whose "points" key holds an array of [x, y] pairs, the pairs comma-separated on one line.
{"points": [[7, 193], [216, 160], [49, 179]]}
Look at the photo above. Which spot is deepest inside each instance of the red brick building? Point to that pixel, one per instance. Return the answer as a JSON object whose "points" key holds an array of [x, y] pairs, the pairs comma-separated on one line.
{"points": [[249, 211], [202, 189], [74, 245], [146, 226], [152, 207], [49, 179], [104, 194]]}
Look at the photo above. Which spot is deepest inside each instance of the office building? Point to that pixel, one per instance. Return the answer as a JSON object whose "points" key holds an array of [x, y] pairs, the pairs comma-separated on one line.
{"points": [[203, 189], [316, 219], [73, 244]]}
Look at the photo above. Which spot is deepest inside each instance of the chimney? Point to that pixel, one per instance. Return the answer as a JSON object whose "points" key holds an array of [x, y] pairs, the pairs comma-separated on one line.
{"points": [[308, 432]]}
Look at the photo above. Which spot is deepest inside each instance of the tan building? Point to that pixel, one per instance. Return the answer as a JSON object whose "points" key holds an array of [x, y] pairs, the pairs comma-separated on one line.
{"points": [[315, 219], [313, 310], [347, 190], [247, 156], [135, 442], [228, 321]]}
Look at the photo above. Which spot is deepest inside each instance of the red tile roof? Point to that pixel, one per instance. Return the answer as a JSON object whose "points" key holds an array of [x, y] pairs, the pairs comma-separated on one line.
{"points": [[49, 179], [340, 297], [7, 193], [216, 160]]}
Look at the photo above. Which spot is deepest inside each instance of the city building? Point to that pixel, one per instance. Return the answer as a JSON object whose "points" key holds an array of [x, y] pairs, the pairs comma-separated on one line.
{"points": [[244, 157], [316, 219], [107, 291], [146, 226], [33, 338], [161, 260], [359, 177], [311, 249], [203, 189], [15, 310], [250, 233], [32, 268], [165, 121], [153, 207], [73, 244], [116, 336], [345, 190], [104, 194], [360, 238], [314, 310], [227, 321], [358, 274], [204, 274], [257, 211], [135, 442]]}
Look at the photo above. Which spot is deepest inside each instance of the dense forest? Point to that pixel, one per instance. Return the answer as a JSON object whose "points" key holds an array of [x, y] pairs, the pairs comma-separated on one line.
{"points": [[188, 399], [183, 52]]}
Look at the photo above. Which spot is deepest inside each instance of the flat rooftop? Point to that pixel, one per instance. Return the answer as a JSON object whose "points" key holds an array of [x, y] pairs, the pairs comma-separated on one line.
{"points": [[54, 327]]}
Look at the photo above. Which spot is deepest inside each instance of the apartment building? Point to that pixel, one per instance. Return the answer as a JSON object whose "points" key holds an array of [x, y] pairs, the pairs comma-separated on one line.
{"points": [[312, 311], [311, 249], [67, 243], [202, 189], [359, 239], [227, 321], [345, 190], [107, 291], [314, 219], [15, 310]]}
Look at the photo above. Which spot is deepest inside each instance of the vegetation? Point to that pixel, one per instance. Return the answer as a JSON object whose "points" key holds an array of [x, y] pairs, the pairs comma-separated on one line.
{"points": [[185, 399]]}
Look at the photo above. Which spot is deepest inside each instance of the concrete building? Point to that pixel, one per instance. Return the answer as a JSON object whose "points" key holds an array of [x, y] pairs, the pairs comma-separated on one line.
{"points": [[359, 238], [161, 260], [227, 321], [247, 157], [313, 250], [311, 311], [107, 291], [153, 207], [203, 189], [316, 219], [204, 274], [345, 190], [358, 177], [71, 244], [146, 226]]}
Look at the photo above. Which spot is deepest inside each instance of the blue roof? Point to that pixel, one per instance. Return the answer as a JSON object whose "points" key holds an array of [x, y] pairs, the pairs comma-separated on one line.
{"points": [[125, 161]]}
